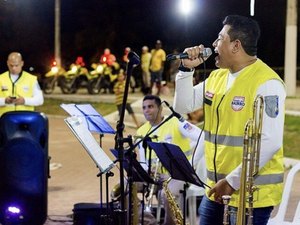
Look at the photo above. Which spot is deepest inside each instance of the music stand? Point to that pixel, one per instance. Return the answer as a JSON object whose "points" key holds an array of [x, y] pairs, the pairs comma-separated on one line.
{"points": [[92, 119], [176, 163], [138, 174], [94, 122]]}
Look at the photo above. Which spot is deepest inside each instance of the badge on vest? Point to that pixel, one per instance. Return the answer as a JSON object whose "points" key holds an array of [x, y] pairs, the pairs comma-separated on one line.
{"points": [[25, 88], [238, 103], [272, 109], [4, 88], [208, 97]]}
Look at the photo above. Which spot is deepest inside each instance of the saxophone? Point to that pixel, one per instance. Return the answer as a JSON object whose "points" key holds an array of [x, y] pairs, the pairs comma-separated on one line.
{"points": [[176, 211]]}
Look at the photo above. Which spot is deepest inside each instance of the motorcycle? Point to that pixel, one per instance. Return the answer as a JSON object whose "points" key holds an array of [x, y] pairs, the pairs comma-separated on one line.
{"points": [[103, 77], [76, 77], [51, 79]]}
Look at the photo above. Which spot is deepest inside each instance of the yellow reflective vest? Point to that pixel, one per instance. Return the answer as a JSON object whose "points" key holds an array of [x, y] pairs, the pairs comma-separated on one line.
{"points": [[23, 86], [226, 113], [169, 132]]}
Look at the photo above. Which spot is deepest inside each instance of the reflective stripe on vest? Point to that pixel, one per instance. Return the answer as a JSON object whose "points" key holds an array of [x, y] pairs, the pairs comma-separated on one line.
{"points": [[224, 140], [259, 180]]}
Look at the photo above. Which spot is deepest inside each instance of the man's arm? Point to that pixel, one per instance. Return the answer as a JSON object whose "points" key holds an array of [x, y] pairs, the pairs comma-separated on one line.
{"points": [[37, 98], [187, 97]]}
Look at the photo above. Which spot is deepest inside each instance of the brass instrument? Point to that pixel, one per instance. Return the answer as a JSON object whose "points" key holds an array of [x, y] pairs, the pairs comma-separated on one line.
{"points": [[148, 207], [134, 204], [250, 165], [176, 211]]}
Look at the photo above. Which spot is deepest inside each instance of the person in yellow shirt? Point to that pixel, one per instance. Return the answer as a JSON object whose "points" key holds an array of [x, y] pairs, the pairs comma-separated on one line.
{"points": [[19, 89], [145, 66], [157, 65], [119, 89]]}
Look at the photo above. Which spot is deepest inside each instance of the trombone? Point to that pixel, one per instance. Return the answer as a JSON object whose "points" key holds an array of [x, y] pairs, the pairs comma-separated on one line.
{"points": [[250, 166]]}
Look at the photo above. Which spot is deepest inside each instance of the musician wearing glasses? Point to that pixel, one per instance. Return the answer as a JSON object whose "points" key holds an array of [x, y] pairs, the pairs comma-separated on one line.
{"points": [[227, 97], [181, 133]]}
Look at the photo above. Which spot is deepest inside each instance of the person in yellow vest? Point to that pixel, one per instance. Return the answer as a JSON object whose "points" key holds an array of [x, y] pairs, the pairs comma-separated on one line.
{"points": [[175, 131], [19, 89], [227, 96]]}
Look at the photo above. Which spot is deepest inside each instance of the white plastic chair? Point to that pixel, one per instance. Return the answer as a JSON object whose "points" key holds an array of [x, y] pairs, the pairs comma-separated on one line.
{"points": [[278, 219], [194, 191]]}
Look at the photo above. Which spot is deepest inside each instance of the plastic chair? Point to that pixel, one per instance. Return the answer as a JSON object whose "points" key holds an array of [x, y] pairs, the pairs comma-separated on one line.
{"points": [[278, 219], [194, 191]]}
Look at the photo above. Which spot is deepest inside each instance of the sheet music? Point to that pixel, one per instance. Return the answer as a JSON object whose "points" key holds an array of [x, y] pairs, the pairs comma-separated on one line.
{"points": [[90, 117], [87, 140]]}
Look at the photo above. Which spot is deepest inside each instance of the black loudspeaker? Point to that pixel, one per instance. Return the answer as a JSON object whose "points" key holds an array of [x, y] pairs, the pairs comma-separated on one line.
{"points": [[24, 168], [95, 214]]}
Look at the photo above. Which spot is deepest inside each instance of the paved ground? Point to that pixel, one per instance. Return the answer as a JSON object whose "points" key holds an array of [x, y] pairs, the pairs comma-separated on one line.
{"points": [[74, 174]]}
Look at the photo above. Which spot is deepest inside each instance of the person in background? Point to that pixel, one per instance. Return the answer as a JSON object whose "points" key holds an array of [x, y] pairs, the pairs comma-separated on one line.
{"points": [[158, 58], [145, 65], [227, 97], [125, 56], [124, 63], [19, 89], [119, 89], [107, 57], [174, 64], [181, 133]]}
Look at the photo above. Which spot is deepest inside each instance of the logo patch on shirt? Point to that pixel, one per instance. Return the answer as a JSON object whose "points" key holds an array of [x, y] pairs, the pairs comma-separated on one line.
{"points": [[187, 127], [238, 103], [272, 109]]}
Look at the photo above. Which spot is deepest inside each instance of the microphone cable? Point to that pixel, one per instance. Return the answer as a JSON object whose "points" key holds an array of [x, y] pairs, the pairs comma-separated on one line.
{"points": [[203, 95]]}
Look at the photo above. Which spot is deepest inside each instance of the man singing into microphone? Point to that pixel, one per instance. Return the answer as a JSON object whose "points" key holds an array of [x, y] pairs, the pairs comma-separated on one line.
{"points": [[175, 131], [229, 93]]}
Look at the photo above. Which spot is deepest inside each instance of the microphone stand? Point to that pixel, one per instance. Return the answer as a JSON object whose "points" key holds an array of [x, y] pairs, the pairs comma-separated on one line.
{"points": [[133, 60]]}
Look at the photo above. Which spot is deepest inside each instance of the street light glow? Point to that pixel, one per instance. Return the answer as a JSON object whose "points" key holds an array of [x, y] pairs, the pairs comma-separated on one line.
{"points": [[252, 2], [185, 6]]}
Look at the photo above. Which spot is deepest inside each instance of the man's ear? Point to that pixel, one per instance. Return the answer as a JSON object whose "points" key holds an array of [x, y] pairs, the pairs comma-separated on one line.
{"points": [[237, 45], [160, 108]]}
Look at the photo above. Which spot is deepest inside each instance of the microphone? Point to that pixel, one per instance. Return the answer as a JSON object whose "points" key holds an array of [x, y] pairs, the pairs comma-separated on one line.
{"points": [[176, 114], [206, 52]]}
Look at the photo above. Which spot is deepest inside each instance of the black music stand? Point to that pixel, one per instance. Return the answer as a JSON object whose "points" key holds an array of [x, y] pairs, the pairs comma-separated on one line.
{"points": [[176, 163], [137, 172], [95, 123]]}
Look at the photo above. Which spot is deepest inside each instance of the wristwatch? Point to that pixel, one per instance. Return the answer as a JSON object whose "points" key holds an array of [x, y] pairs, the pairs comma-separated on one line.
{"points": [[185, 69]]}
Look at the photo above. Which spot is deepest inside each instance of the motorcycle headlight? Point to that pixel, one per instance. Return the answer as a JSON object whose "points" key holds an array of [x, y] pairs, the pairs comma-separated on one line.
{"points": [[100, 69], [54, 69], [74, 69]]}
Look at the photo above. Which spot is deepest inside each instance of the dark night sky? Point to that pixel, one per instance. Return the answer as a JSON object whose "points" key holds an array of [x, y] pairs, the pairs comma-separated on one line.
{"points": [[88, 26]]}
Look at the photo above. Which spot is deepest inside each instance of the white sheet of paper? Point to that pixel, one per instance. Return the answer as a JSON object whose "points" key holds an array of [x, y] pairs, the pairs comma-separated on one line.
{"points": [[87, 140]]}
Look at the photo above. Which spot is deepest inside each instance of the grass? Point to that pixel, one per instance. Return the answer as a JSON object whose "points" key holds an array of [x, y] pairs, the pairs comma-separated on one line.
{"points": [[291, 129], [52, 107], [291, 139]]}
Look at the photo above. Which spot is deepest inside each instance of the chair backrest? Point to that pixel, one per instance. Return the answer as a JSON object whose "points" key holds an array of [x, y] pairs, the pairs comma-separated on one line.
{"points": [[279, 217]]}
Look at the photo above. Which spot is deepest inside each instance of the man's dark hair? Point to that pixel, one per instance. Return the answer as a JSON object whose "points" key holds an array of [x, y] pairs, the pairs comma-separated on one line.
{"points": [[246, 30], [153, 97]]}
